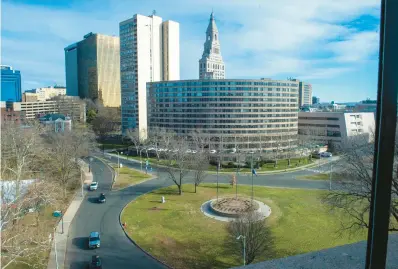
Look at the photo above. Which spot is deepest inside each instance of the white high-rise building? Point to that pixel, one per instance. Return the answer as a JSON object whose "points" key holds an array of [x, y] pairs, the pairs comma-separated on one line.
{"points": [[149, 51], [211, 65]]}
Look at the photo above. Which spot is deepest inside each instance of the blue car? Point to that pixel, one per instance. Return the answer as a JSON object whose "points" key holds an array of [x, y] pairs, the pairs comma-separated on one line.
{"points": [[94, 240]]}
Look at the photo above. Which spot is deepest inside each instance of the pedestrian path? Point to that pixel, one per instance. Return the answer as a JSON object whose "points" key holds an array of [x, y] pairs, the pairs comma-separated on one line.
{"points": [[61, 231]]}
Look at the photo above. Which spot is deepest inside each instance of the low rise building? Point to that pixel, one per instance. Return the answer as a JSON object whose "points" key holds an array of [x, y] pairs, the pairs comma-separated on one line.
{"points": [[11, 112], [334, 127], [46, 93], [57, 122], [70, 106]]}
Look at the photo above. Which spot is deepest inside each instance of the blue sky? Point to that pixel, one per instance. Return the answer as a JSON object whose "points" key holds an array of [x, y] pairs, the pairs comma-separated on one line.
{"points": [[331, 44]]}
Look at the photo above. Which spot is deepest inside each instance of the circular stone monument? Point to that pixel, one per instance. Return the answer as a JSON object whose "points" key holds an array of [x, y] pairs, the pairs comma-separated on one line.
{"points": [[233, 207]]}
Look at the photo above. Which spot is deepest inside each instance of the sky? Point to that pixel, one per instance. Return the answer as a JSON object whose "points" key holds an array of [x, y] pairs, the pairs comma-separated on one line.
{"points": [[331, 44]]}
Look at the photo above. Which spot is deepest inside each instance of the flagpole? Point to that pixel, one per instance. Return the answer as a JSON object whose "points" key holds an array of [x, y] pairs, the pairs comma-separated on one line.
{"points": [[252, 177]]}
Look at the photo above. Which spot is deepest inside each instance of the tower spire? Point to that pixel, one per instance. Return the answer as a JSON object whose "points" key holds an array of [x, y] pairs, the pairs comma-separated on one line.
{"points": [[211, 64]]}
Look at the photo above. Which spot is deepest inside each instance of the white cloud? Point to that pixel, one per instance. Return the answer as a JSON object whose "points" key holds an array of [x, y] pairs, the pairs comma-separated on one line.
{"points": [[358, 47], [258, 38]]}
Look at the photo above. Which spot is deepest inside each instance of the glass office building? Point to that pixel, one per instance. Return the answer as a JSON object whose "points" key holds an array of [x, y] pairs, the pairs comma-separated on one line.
{"points": [[10, 84], [245, 114]]}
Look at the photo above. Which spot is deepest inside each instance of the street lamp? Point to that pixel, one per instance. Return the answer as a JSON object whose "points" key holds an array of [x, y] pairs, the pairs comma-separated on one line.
{"points": [[244, 247], [330, 177], [218, 168], [89, 164], [81, 179], [252, 176]]}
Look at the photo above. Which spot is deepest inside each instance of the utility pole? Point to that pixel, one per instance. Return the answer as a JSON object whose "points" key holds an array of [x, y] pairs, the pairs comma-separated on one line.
{"points": [[244, 247], [218, 168], [330, 177], [252, 177]]}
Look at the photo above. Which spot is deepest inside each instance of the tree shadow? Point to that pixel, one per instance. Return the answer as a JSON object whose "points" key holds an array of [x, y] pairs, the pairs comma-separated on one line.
{"points": [[80, 242], [221, 186], [93, 200], [167, 192], [80, 265]]}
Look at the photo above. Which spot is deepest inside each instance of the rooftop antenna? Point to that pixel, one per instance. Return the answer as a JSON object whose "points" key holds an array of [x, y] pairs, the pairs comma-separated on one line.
{"points": [[154, 12]]}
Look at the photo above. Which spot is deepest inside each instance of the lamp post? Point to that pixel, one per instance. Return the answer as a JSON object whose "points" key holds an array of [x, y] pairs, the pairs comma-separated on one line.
{"points": [[55, 248], [89, 164], [244, 247], [141, 157], [81, 179], [330, 177], [218, 168], [252, 176]]}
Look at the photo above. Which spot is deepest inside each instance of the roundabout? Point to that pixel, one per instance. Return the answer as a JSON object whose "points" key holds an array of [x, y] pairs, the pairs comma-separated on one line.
{"points": [[230, 208]]}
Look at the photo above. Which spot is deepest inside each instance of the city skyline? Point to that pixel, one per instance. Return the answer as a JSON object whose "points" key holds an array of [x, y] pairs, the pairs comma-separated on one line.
{"points": [[259, 39]]}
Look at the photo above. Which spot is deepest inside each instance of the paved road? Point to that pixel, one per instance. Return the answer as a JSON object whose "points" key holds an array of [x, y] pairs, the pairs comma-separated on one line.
{"points": [[116, 249]]}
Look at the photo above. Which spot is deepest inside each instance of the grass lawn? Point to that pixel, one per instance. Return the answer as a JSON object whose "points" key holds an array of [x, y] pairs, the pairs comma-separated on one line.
{"points": [[128, 176], [321, 176], [180, 235], [47, 223], [282, 165], [111, 146]]}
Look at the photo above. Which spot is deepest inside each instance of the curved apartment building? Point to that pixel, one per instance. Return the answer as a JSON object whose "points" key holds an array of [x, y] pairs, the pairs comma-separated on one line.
{"points": [[236, 113]]}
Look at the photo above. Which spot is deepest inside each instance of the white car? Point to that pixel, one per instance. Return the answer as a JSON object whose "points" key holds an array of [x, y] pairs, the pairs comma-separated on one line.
{"points": [[213, 151], [93, 186]]}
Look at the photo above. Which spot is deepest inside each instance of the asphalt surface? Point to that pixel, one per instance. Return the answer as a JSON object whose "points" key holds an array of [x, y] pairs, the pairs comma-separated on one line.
{"points": [[116, 250]]}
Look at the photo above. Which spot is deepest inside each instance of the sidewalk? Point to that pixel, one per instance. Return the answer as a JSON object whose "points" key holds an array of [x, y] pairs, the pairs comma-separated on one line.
{"points": [[259, 172], [60, 235]]}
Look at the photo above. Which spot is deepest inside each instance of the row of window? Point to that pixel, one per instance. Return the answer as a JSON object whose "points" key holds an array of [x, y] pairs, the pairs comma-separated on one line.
{"points": [[230, 82], [218, 89], [218, 100]]}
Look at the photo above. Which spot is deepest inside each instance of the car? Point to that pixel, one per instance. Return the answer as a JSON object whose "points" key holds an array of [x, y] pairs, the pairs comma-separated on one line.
{"points": [[96, 262], [93, 186], [213, 151], [101, 198], [94, 240], [326, 154]]}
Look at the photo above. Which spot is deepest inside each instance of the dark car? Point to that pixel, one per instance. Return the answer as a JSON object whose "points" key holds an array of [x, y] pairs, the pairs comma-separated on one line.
{"points": [[95, 262], [101, 198]]}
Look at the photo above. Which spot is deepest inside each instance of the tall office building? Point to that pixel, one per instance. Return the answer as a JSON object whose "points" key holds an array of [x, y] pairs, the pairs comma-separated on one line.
{"points": [[305, 94], [10, 84], [93, 69], [149, 51], [211, 65], [71, 70]]}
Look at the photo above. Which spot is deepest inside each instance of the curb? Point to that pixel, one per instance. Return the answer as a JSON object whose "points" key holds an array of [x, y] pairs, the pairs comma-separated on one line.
{"points": [[289, 170], [114, 175], [132, 241], [110, 168], [52, 260]]}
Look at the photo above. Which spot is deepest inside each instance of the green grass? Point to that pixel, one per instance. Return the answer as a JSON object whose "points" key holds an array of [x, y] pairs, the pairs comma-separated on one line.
{"points": [[180, 235], [281, 165], [321, 176], [111, 146], [128, 176]]}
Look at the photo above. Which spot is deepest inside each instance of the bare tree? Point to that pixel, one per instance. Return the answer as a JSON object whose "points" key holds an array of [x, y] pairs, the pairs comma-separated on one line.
{"points": [[63, 151], [177, 160], [200, 164], [354, 193], [134, 136], [256, 236], [106, 121], [22, 150]]}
